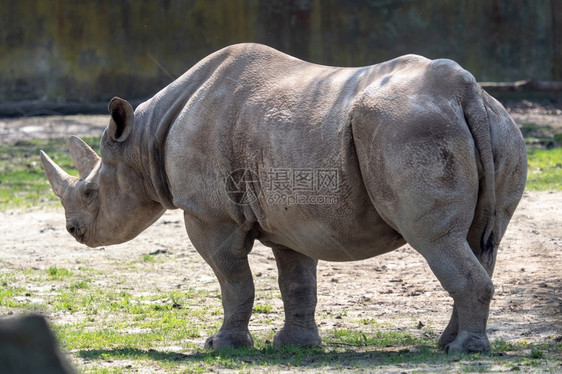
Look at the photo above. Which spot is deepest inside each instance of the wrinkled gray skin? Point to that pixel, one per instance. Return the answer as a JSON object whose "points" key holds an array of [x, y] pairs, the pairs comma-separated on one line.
{"points": [[422, 154]]}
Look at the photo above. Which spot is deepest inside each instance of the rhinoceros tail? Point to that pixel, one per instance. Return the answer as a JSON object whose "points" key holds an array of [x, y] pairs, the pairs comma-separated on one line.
{"points": [[481, 235]]}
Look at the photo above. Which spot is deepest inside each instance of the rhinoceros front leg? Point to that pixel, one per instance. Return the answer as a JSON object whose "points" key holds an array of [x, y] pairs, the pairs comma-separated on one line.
{"points": [[297, 282], [225, 247]]}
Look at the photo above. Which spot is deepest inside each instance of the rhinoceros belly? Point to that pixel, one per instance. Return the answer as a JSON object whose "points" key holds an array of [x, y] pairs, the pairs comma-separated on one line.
{"points": [[329, 234]]}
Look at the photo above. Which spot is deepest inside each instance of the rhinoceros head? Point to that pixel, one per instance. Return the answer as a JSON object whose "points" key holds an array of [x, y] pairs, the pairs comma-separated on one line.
{"points": [[108, 203]]}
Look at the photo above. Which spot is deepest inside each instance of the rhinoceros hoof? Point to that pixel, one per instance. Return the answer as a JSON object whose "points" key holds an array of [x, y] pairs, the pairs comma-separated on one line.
{"points": [[229, 339], [447, 338], [295, 336], [467, 342]]}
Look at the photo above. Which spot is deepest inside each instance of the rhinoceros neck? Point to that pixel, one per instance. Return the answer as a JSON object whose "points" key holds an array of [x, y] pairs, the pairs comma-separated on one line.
{"points": [[154, 118], [157, 168], [151, 132]]}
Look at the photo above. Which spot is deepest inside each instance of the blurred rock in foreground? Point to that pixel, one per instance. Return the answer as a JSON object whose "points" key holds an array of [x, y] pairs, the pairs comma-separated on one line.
{"points": [[27, 346]]}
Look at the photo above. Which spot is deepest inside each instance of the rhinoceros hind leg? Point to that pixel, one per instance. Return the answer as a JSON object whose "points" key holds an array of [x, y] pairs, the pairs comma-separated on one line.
{"points": [[471, 288], [432, 206], [297, 282], [451, 331]]}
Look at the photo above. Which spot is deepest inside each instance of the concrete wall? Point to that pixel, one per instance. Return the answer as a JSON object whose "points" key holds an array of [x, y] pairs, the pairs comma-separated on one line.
{"points": [[90, 50]]}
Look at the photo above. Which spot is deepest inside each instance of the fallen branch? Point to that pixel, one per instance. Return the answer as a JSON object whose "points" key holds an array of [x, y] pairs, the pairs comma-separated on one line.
{"points": [[522, 86]]}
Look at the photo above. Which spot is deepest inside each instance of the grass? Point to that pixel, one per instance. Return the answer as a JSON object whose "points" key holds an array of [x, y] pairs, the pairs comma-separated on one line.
{"points": [[117, 329], [23, 184], [545, 169], [22, 181], [263, 309], [57, 273]]}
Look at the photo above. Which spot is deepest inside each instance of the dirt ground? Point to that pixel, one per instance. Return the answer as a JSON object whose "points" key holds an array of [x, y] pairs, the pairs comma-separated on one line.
{"points": [[398, 287]]}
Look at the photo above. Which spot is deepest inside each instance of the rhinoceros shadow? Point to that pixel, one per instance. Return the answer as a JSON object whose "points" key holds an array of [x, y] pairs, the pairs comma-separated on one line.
{"points": [[318, 357]]}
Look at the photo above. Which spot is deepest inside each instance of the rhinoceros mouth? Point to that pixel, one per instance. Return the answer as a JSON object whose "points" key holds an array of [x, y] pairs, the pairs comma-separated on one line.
{"points": [[77, 231], [84, 239], [80, 239], [78, 236]]}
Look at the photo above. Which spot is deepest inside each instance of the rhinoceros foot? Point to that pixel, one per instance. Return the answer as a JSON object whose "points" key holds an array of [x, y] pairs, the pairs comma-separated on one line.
{"points": [[230, 339], [447, 337], [468, 342], [297, 336]]}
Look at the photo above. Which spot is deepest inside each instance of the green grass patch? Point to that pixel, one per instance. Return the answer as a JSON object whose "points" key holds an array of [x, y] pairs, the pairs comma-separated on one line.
{"points": [[58, 273], [380, 338], [12, 296], [148, 258], [545, 169], [81, 284], [263, 309], [22, 181]]}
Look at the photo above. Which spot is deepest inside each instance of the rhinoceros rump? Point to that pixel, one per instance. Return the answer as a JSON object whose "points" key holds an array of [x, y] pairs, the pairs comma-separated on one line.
{"points": [[315, 162]]}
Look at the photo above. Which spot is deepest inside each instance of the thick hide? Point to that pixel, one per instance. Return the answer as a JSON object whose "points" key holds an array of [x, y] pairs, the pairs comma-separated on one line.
{"points": [[317, 162]]}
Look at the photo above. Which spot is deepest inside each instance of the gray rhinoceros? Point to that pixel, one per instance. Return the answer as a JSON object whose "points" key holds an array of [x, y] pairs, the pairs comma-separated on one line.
{"points": [[316, 162]]}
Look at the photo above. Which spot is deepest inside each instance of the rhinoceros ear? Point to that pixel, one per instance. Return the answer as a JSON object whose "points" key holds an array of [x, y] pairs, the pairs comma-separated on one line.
{"points": [[122, 118], [83, 157]]}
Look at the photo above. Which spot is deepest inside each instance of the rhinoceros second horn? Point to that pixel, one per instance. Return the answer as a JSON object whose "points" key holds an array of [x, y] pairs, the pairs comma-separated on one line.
{"points": [[83, 157]]}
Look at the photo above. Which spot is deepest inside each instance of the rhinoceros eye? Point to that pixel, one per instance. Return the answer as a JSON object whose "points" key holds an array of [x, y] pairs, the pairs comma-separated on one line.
{"points": [[89, 192]]}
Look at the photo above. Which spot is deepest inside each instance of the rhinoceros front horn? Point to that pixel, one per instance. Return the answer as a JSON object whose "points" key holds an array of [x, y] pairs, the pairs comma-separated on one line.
{"points": [[57, 177], [83, 157]]}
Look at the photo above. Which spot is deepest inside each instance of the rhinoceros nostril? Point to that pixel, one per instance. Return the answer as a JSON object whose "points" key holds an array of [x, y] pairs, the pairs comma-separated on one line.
{"points": [[71, 229]]}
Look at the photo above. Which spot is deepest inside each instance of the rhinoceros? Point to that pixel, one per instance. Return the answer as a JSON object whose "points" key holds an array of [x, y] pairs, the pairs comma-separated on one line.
{"points": [[316, 162]]}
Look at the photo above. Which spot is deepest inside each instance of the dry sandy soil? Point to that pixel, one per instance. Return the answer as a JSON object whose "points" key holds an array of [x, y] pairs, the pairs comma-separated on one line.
{"points": [[397, 288]]}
